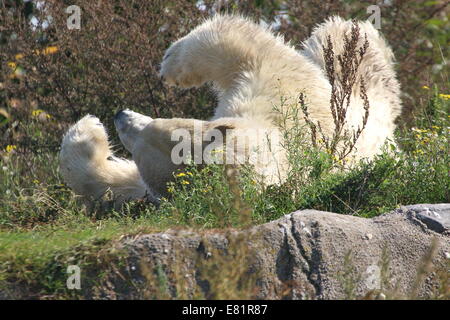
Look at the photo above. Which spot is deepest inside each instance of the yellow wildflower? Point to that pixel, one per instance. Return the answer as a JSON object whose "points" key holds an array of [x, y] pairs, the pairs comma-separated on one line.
{"points": [[37, 112], [184, 182], [444, 96], [36, 181], [207, 189], [47, 51], [426, 87], [50, 50], [12, 65], [419, 130], [181, 174], [10, 147], [170, 189], [19, 56]]}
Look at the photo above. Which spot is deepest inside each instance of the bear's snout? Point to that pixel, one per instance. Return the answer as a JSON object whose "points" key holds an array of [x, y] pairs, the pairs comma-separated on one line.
{"points": [[128, 125], [123, 121], [126, 120], [118, 114]]}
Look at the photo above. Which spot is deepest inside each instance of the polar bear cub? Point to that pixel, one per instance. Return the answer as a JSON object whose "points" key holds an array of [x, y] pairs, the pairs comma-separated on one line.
{"points": [[251, 71]]}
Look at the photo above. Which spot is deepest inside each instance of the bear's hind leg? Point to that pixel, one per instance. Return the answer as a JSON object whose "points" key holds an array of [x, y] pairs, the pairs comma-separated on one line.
{"points": [[90, 168]]}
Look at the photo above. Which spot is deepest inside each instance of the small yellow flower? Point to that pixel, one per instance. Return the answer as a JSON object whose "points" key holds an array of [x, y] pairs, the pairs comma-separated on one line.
{"points": [[420, 131], [189, 173], [37, 112], [36, 181], [47, 51], [426, 87], [10, 148], [181, 174], [19, 56], [444, 96], [50, 50], [12, 65], [184, 182], [207, 189], [170, 189]]}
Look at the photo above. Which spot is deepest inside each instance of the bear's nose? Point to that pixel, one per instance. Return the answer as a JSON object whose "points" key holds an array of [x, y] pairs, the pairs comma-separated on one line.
{"points": [[118, 114], [122, 119]]}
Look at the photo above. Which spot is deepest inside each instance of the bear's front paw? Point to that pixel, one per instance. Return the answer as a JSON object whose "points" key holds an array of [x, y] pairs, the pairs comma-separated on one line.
{"points": [[180, 68]]}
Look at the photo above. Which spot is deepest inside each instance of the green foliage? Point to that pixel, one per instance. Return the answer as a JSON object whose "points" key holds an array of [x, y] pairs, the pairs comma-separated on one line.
{"points": [[44, 226]]}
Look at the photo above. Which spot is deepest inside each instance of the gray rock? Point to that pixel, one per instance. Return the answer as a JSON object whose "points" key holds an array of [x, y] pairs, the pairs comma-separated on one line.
{"points": [[435, 216], [309, 254]]}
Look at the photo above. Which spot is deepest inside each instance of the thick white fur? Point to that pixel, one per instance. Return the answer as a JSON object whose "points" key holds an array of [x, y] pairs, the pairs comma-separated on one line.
{"points": [[89, 167], [153, 145], [251, 70], [377, 70]]}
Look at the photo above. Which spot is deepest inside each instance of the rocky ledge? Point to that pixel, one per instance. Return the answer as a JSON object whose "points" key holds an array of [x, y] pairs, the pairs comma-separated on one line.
{"points": [[306, 254]]}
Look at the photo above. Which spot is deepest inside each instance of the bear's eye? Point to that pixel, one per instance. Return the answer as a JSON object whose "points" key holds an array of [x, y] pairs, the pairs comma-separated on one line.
{"points": [[166, 56]]}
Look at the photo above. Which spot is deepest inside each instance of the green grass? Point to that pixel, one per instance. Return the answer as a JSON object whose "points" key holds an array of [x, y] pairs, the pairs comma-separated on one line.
{"points": [[43, 226]]}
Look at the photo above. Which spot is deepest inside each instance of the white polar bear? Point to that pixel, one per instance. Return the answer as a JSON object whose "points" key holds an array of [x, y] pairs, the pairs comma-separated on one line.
{"points": [[251, 70]]}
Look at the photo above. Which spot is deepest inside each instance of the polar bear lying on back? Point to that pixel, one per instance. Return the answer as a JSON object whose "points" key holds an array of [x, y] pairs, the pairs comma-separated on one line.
{"points": [[251, 70]]}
